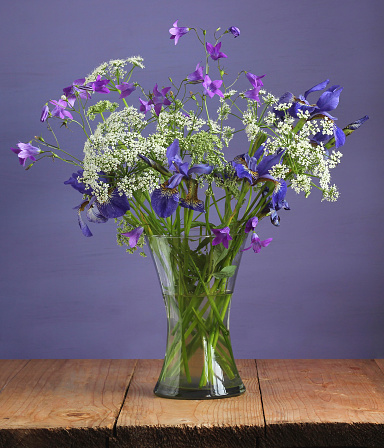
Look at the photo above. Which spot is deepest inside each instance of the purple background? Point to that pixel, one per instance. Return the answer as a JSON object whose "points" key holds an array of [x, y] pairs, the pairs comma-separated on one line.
{"points": [[315, 292]]}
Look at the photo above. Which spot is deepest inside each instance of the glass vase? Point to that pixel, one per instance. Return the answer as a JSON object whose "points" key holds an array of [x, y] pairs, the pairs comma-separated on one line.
{"points": [[197, 281]]}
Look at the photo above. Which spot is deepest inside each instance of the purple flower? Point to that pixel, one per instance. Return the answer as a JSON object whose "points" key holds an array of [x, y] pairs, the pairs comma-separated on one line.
{"points": [[59, 110], [212, 87], [234, 30], [145, 106], [134, 236], [126, 89], [44, 113], [251, 224], [99, 85], [256, 82], [25, 151], [214, 51], [177, 32], [79, 88], [222, 236], [159, 99], [257, 244], [197, 75]]}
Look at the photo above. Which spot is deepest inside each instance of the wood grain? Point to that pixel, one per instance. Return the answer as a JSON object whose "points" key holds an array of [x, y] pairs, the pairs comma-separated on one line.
{"points": [[10, 368], [54, 403], [150, 421], [310, 403], [380, 363]]}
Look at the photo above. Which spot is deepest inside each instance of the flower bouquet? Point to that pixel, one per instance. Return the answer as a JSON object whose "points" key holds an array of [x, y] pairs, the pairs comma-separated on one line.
{"points": [[149, 166]]}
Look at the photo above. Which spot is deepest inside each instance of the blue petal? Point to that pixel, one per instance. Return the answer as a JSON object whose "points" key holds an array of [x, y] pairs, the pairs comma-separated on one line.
{"points": [[259, 152], [165, 201], [84, 228], [116, 205], [93, 215], [79, 186], [173, 151], [329, 100], [320, 86], [183, 168], [251, 162], [175, 180], [275, 219], [193, 204], [202, 168], [339, 137], [268, 162], [279, 196], [242, 172]]}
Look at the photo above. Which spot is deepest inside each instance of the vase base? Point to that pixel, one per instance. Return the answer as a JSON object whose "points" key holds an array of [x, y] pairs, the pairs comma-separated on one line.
{"points": [[198, 393]]}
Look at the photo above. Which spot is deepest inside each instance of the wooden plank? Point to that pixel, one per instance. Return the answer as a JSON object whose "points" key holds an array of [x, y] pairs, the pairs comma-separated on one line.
{"points": [[312, 403], [63, 403], [150, 421], [10, 368], [380, 363]]}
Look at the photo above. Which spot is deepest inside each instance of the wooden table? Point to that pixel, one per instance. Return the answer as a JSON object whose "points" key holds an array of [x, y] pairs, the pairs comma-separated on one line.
{"points": [[110, 404]]}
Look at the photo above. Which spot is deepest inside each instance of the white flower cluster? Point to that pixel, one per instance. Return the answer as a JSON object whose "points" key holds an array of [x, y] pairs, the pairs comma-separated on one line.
{"points": [[114, 147], [307, 158], [224, 110], [115, 68], [279, 171]]}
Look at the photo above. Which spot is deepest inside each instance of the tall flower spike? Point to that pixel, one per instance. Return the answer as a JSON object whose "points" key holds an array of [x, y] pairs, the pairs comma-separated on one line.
{"points": [[177, 32]]}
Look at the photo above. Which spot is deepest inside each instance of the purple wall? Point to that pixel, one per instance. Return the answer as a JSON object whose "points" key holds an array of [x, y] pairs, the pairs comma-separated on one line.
{"points": [[316, 292]]}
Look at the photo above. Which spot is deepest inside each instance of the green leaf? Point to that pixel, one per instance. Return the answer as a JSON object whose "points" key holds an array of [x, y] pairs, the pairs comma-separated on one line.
{"points": [[226, 272]]}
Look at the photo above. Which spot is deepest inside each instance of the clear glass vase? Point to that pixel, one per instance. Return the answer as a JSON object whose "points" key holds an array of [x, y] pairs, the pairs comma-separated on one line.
{"points": [[197, 282]]}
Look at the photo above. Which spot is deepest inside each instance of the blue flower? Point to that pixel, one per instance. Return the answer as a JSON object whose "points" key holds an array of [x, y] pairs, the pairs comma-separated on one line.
{"points": [[246, 166], [166, 198], [327, 102], [116, 205], [278, 202]]}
